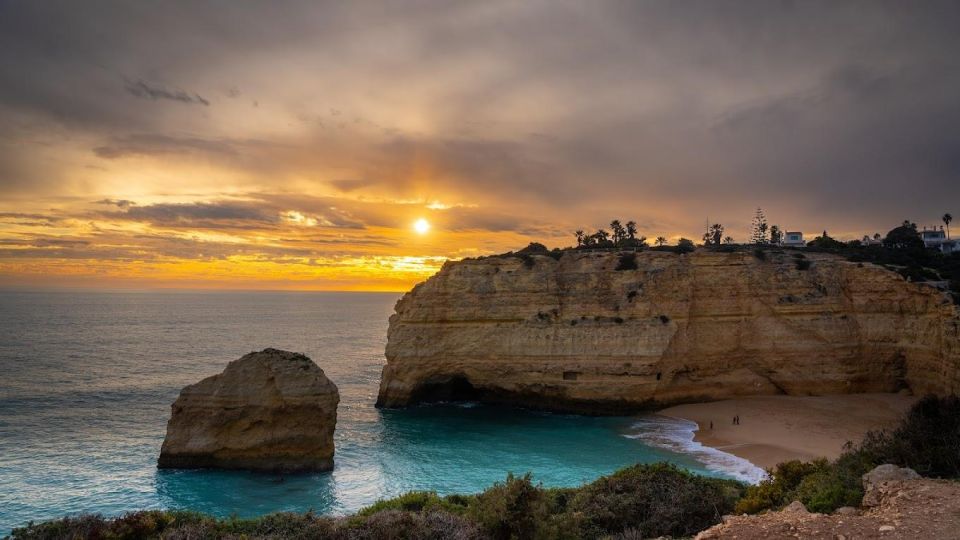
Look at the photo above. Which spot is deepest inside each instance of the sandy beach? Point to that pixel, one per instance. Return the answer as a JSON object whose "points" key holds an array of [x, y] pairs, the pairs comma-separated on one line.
{"points": [[774, 429]]}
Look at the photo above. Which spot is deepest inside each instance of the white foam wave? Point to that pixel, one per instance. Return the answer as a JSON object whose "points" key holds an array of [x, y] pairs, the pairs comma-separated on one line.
{"points": [[676, 435]]}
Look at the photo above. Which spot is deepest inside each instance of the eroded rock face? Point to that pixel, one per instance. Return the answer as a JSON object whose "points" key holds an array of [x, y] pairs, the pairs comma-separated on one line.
{"points": [[269, 411], [575, 334]]}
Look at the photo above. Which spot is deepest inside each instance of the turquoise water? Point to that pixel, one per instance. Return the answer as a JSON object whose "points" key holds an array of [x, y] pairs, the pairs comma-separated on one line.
{"points": [[88, 379]]}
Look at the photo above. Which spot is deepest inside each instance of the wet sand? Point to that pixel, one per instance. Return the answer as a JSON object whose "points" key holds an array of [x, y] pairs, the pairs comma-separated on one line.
{"points": [[774, 429]]}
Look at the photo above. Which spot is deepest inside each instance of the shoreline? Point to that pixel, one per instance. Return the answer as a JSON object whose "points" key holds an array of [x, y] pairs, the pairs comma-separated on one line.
{"points": [[774, 429]]}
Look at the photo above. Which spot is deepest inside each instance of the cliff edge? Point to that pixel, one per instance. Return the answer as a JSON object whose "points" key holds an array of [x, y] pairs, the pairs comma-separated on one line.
{"points": [[577, 334]]}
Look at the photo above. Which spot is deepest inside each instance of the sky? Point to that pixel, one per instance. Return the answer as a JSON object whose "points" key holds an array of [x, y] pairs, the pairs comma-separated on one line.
{"points": [[293, 145]]}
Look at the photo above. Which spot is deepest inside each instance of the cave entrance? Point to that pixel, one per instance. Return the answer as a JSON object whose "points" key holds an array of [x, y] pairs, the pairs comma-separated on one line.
{"points": [[448, 388]]}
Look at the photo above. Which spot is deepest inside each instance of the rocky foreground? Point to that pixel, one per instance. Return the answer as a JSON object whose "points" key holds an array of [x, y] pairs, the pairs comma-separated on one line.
{"points": [[616, 333], [268, 411], [897, 504]]}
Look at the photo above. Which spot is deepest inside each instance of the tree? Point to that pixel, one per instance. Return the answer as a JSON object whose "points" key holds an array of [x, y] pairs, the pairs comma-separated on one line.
{"points": [[904, 237], [601, 236], [716, 233], [759, 228], [685, 246], [728, 240], [776, 235], [947, 218], [618, 231], [632, 229], [660, 241], [579, 234], [824, 241]]}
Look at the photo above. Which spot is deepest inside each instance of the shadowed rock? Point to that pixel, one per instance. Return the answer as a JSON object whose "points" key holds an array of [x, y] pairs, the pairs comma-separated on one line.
{"points": [[268, 411]]}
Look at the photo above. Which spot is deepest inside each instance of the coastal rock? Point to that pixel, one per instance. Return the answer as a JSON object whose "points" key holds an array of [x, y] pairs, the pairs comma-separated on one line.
{"points": [[268, 411], [576, 334], [881, 480]]}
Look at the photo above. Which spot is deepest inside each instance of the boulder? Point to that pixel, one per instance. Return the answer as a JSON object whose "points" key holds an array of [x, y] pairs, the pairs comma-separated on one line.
{"points": [[876, 481], [796, 507], [271, 411]]}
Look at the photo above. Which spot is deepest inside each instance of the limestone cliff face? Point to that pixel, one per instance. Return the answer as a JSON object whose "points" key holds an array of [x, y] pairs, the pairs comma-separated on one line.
{"points": [[270, 411], [576, 334]]}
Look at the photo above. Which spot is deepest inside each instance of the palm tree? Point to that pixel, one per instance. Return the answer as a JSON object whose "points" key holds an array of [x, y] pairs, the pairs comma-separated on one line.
{"points": [[601, 235], [579, 234], [728, 240], [947, 218], [617, 229], [661, 241], [632, 229]]}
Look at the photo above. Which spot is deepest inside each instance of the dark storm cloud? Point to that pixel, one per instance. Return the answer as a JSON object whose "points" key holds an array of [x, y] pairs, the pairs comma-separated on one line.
{"points": [[141, 89], [840, 113]]}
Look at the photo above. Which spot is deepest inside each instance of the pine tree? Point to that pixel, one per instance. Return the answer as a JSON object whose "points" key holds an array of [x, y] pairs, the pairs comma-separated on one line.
{"points": [[759, 230]]}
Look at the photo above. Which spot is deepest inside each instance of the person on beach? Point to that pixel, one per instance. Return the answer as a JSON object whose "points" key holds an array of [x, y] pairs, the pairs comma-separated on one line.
{"points": [[711, 425]]}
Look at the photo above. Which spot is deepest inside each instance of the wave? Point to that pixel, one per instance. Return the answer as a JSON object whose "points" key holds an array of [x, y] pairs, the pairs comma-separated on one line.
{"points": [[676, 435]]}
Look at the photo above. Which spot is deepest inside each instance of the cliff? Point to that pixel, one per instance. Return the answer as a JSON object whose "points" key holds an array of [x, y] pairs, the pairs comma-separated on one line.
{"points": [[576, 334], [271, 410]]}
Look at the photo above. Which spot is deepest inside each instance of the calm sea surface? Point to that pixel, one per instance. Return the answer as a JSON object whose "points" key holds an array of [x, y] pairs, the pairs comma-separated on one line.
{"points": [[87, 379]]}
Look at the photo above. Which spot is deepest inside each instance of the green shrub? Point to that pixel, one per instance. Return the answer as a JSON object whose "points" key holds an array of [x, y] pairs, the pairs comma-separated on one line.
{"points": [[927, 441], [656, 500], [418, 501], [511, 509], [779, 486]]}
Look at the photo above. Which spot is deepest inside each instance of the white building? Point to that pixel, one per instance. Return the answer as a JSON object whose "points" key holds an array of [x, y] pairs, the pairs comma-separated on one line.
{"points": [[793, 239], [933, 238]]}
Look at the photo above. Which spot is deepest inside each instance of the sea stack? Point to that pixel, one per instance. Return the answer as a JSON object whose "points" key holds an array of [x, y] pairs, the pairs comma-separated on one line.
{"points": [[270, 411], [618, 333]]}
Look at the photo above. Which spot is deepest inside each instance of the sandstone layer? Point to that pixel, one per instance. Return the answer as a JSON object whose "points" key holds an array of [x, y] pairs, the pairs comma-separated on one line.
{"points": [[268, 411], [576, 334]]}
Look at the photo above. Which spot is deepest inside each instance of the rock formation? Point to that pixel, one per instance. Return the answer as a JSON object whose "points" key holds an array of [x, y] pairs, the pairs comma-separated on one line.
{"points": [[576, 334], [903, 506], [269, 411]]}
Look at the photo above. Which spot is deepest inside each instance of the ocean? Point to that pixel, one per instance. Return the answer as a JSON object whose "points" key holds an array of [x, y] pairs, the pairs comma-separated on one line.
{"points": [[88, 379]]}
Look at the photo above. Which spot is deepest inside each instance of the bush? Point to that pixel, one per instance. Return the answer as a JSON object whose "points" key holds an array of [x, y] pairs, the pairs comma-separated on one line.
{"points": [[628, 261], [685, 246], [655, 500], [512, 509], [803, 264], [928, 440], [535, 247], [418, 501], [760, 254]]}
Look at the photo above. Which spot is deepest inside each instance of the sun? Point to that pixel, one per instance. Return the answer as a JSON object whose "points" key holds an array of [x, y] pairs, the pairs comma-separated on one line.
{"points": [[421, 226]]}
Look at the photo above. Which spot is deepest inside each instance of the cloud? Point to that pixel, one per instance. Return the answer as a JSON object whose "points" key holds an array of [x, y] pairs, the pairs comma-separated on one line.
{"points": [[351, 184], [151, 144], [143, 90], [120, 203]]}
